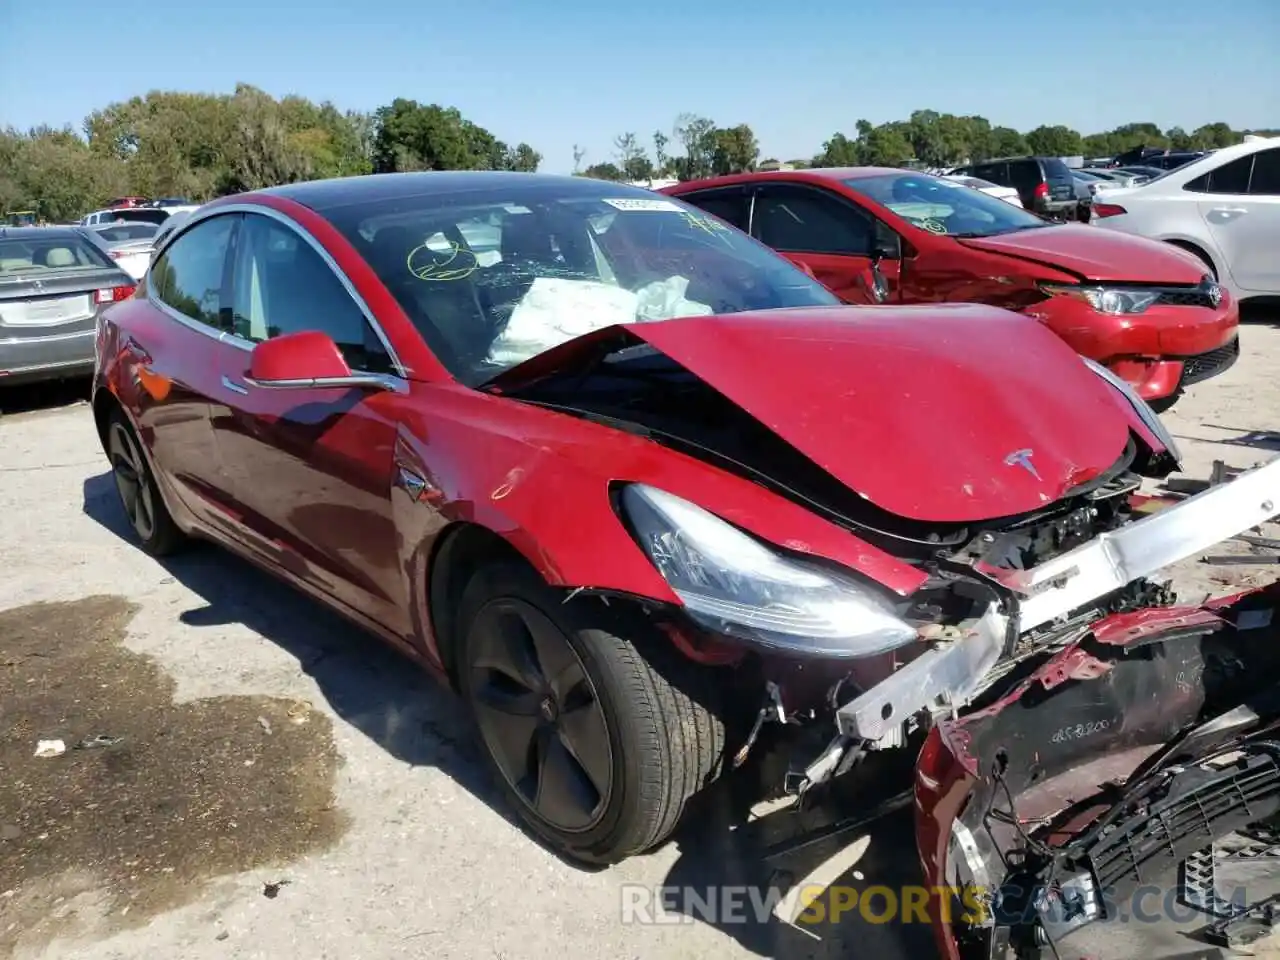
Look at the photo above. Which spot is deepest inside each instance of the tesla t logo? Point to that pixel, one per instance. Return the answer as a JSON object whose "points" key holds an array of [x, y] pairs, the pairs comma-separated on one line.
{"points": [[1022, 458]]}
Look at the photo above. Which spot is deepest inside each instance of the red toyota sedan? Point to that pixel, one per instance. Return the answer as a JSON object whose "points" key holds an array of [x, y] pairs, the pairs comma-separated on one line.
{"points": [[1151, 312], [637, 486]]}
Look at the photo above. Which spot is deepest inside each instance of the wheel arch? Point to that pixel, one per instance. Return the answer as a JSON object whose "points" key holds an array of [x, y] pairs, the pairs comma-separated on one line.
{"points": [[104, 402], [457, 553], [1197, 250]]}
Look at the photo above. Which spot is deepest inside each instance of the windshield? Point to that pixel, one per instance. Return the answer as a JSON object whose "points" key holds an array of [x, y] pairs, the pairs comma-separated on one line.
{"points": [[944, 207], [492, 279], [57, 253]]}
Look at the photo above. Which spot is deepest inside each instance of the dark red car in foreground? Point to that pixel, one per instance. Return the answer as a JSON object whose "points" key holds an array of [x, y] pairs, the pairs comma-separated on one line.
{"points": [[635, 485], [1147, 310]]}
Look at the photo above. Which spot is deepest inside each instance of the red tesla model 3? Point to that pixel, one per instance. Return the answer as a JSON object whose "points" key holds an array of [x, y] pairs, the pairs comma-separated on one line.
{"points": [[636, 485]]}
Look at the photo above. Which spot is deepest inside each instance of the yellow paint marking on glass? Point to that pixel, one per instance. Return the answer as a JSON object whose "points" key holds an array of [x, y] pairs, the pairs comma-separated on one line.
{"points": [[704, 222], [458, 265]]}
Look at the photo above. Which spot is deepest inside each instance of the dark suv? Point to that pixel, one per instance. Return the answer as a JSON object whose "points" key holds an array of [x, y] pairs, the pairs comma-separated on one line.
{"points": [[1157, 157], [1044, 184]]}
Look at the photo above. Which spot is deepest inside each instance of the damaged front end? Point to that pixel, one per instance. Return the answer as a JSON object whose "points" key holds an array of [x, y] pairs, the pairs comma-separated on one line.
{"points": [[992, 592], [1110, 783]]}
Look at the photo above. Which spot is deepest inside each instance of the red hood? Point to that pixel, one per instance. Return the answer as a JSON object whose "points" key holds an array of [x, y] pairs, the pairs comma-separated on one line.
{"points": [[1096, 254], [914, 408]]}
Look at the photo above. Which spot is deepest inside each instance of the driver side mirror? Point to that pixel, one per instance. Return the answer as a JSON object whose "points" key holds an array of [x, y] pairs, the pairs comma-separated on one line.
{"points": [[308, 360]]}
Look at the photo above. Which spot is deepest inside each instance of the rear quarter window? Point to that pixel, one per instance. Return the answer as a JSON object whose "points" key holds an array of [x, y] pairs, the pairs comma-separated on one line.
{"points": [[1055, 169]]}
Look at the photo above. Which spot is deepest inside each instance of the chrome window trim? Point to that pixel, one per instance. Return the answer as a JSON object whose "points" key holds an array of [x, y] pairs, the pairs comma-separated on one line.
{"points": [[380, 381], [200, 216]]}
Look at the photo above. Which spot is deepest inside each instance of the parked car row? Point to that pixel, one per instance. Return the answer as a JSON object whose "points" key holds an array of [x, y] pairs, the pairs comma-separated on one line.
{"points": [[635, 485], [1044, 184], [141, 213], [881, 235], [1222, 208]]}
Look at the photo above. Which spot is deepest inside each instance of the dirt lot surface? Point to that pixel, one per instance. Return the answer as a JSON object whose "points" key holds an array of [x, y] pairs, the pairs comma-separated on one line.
{"points": [[247, 776]]}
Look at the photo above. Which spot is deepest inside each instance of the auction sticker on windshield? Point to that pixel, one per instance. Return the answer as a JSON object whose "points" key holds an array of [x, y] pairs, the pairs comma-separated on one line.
{"points": [[644, 204]]}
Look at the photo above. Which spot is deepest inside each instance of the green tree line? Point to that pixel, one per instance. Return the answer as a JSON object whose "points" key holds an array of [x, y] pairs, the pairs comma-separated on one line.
{"points": [[201, 146], [929, 138]]}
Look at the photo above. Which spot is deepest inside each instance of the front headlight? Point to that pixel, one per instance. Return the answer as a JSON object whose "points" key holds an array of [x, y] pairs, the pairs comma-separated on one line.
{"points": [[1143, 409], [735, 585], [1115, 301]]}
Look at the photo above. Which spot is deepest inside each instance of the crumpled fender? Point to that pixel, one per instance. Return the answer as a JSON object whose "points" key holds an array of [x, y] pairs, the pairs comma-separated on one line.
{"points": [[542, 481]]}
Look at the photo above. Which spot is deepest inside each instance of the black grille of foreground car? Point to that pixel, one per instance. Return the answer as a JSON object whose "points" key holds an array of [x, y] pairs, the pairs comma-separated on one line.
{"points": [[1206, 365], [1190, 297], [1147, 847]]}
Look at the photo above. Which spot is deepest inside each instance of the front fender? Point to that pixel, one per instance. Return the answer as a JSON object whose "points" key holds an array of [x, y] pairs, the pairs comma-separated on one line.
{"points": [[542, 481]]}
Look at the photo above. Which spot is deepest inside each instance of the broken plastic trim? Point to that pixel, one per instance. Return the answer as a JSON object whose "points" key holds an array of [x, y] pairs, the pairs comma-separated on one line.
{"points": [[950, 675]]}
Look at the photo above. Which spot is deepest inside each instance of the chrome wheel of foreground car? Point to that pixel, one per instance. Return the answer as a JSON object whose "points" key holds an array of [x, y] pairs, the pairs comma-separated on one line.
{"points": [[597, 750], [139, 496]]}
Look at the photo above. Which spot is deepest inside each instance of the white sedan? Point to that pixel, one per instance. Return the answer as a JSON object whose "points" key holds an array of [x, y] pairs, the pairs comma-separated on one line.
{"points": [[1007, 194], [1224, 208]]}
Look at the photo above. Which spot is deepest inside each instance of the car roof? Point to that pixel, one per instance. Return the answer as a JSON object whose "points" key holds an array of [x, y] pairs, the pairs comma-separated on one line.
{"points": [[806, 175], [322, 195], [39, 233]]}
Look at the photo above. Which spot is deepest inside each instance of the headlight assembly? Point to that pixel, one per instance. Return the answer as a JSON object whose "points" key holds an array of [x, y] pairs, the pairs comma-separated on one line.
{"points": [[1143, 409], [735, 585], [1115, 301]]}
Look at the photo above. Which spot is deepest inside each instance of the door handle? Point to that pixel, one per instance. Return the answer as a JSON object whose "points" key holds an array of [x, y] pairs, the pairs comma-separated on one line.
{"points": [[1230, 211], [233, 386]]}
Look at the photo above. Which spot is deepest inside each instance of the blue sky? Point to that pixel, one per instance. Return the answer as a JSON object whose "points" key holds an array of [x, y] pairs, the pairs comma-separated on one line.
{"points": [[582, 72]]}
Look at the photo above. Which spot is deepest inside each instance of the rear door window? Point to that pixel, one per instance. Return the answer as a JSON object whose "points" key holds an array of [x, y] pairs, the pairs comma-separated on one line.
{"points": [[805, 220], [1025, 175], [1231, 178], [1265, 181], [188, 276], [731, 206]]}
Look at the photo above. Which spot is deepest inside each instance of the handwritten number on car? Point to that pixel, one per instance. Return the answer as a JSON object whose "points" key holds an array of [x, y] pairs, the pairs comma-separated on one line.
{"points": [[1080, 731]]}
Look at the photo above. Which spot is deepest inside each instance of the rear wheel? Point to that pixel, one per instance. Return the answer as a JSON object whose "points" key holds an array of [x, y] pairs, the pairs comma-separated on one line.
{"points": [[139, 495], [598, 732]]}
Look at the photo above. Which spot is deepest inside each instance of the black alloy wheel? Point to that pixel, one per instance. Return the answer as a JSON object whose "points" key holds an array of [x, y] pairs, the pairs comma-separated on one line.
{"points": [[133, 481], [140, 496], [539, 715]]}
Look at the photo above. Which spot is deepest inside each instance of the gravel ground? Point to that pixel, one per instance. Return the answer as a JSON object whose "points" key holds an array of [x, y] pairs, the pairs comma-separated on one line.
{"points": [[283, 787]]}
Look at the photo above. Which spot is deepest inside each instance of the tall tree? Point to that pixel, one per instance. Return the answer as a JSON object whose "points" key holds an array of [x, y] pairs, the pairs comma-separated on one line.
{"points": [[1055, 141], [696, 136], [632, 160], [414, 136], [660, 159], [733, 150]]}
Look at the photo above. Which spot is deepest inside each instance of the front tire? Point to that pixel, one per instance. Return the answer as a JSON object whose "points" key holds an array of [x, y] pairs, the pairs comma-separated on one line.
{"points": [[140, 495], [598, 732]]}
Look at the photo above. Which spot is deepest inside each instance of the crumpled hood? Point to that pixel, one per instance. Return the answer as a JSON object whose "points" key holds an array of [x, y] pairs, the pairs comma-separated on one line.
{"points": [[954, 412], [1094, 253]]}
